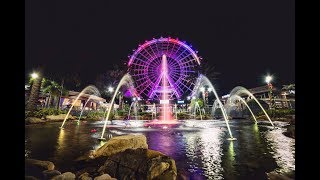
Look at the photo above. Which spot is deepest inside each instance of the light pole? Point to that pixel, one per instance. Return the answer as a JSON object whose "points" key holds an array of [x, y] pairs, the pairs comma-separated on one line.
{"points": [[268, 81]]}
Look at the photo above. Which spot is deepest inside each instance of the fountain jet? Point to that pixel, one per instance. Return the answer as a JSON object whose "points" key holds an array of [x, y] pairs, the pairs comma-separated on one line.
{"points": [[89, 89], [203, 80], [126, 80], [241, 90], [236, 97]]}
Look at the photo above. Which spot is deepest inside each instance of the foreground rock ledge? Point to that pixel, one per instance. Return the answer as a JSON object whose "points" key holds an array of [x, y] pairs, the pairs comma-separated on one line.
{"points": [[140, 164], [120, 144]]}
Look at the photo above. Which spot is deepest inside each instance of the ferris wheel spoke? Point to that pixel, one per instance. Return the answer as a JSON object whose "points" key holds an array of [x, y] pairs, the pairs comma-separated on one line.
{"points": [[146, 64]]}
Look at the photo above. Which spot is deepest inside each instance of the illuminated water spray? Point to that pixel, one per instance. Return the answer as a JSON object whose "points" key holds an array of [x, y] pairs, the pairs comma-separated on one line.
{"points": [[236, 97], [241, 90], [89, 89], [126, 80], [166, 113], [196, 106], [202, 81], [84, 106], [134, 105]]}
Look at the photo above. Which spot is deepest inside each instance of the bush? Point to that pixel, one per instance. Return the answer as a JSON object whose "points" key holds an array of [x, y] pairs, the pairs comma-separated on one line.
{"points": [[43, 112], [277, 113], [96, 114]]}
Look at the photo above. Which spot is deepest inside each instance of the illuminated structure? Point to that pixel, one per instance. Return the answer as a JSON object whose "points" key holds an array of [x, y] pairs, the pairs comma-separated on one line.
{"points": [[145, 67]]}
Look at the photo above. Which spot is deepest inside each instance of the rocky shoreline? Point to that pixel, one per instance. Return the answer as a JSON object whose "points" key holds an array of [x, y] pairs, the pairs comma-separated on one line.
{"points": [[122, 157]]}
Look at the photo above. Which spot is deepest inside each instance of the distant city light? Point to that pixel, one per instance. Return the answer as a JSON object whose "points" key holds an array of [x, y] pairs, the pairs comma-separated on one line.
{"points": [[188, 98]]}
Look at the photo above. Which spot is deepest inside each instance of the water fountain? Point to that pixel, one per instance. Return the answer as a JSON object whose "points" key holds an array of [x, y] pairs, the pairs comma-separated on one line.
{"points": [[196, 106], [166, 111], [125, 80], [235, 97], [203, 80], [134, 105], [239, 90], [89, 89], [84, 106]]}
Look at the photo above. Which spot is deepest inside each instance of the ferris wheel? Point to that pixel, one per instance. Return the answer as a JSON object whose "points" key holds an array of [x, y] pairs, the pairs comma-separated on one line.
{"points": [[182, 67]]}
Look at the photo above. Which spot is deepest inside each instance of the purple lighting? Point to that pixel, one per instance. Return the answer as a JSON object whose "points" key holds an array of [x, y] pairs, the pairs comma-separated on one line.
{"points": [[145, 67]]}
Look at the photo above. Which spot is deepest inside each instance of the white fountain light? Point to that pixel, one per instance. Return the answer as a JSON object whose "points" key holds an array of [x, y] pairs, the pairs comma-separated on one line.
{"points": [[193, 97], [202, 89], [210, 89], [188, 98]]}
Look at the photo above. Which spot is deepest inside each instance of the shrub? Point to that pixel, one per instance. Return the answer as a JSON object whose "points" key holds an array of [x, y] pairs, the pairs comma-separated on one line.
{"points": [[43, 112], [276, 113]]}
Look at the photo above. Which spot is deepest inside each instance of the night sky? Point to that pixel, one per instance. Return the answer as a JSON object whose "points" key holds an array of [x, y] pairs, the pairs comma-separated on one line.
{"points": [[243, 40]]}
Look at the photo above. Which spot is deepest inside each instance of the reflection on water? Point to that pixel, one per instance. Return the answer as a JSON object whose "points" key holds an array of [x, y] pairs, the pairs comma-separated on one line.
{"points": [[283, 150], [211, 152], [200, 150]]}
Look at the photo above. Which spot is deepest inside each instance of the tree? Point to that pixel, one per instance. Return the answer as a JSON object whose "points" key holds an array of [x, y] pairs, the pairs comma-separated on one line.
{"points": [[34, 94], [54, 90]]}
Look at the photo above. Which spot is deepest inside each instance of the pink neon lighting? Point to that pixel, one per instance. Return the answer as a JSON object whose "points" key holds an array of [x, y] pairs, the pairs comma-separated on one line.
{"points": [[147, 43]]}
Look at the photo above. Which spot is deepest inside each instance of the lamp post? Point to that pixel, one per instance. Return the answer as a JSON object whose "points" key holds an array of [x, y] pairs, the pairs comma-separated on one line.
{"points": [[268, 81]]}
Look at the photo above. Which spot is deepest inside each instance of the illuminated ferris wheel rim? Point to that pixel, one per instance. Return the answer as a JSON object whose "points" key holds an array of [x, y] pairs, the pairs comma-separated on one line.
{"points": [[169, 39]]}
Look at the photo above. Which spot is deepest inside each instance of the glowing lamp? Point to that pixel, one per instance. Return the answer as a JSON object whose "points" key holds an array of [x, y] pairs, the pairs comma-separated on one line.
{"points": [[34, 75]]}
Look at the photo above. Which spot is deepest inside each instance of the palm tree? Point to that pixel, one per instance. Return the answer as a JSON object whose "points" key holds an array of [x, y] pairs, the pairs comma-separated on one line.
{"points": [[54, 90], [34, 94]]}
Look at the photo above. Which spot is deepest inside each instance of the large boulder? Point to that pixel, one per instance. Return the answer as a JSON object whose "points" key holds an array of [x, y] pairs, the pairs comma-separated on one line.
{"points": [[48, 174], [34, 120], [35, 167], [65, 176], [140, 164], [104, 177], [120, 144], [85, 176], [59, 117]]}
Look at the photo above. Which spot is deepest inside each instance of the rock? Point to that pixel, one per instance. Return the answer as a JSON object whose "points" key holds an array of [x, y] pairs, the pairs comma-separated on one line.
{"points": [[59, 117], [65, 176], [140, 164], [275, 176], [48, 174], [85, 176], [30, 178], [104, 177], [45, 165], [35, 167], [33, 120], [120, 144], [290, 132]]}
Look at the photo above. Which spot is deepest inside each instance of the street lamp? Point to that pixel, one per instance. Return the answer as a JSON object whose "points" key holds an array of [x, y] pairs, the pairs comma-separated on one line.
{"points": [[268, 81], [110, 89], [34, 75]]}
